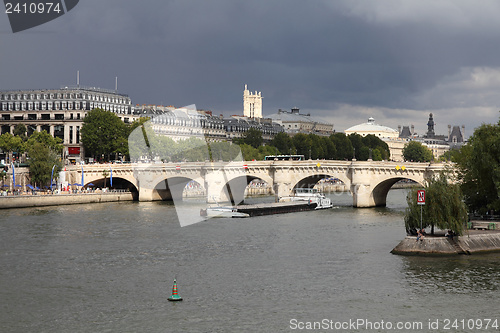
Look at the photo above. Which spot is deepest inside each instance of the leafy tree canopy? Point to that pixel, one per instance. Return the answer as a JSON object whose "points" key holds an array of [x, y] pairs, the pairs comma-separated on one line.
{"points": [[55, 144], [444, 207], [479, 169], [20, 130], [416, 152], [11, 143], [103, 134], [252, 137], [42, 159], [282, 142], [343, 145]]}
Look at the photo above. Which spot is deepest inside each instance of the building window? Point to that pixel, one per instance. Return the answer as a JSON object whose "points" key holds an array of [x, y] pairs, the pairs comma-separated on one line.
{"points": [[59, 116], [71, 134], [77, 134], [59, 132]]}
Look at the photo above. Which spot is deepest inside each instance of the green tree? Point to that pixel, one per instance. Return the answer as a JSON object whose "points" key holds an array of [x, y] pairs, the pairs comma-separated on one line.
{"points": [[444, 207], [479, 169], [10, 143], [54, 144], [302, 144], [357, 144], [416, 152], [192, 149], [343, 146], [250, 153], [103, 134], [318, 149], [252, 137], [375, 143], [449, 155], [41, 160], [329, 149], [225, 151], [20, 131], [282, 142]]}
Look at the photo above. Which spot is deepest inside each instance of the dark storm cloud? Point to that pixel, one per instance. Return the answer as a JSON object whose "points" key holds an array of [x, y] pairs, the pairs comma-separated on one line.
{"points": [[341, 60]]}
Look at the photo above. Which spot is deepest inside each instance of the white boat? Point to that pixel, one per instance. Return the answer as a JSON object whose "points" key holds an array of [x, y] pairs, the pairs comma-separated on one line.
{"points": [[222, 211], [312, 195]]}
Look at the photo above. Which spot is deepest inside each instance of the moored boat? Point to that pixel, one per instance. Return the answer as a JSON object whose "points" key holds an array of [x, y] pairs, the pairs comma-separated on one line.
{"points": [[310, 195]]}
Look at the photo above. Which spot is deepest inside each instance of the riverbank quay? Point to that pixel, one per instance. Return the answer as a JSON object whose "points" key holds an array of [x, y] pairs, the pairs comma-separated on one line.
{"points": [[24, 201], [472, 242]]}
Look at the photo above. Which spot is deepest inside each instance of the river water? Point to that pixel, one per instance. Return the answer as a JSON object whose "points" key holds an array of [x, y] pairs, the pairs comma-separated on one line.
{"points": [[110, 268]]}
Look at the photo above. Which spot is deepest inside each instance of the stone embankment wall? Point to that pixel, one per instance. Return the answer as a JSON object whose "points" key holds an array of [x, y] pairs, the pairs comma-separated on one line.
{"points": [[485, 241], [23, 201]]}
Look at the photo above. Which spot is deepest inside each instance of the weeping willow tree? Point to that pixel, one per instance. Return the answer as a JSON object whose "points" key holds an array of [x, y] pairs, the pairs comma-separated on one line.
{"points": [[444, 207]]}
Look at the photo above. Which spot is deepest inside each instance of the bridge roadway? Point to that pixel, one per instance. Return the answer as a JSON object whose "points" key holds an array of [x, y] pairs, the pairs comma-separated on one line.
{"points": [[368, 181]]}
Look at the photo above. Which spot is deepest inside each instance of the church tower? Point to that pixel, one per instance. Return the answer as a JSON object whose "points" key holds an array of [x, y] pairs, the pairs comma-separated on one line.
{"points": [[252, 104], [430, 127]]}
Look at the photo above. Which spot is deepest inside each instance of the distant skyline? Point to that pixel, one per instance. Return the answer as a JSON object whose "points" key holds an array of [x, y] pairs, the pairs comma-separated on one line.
{"points": [[342, 61]]}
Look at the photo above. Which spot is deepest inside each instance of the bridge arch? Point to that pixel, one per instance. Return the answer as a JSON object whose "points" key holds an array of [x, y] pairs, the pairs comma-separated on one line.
{"points": [[380, 190], [234, 189], [119, 183], [171, 188], [310, 181]]}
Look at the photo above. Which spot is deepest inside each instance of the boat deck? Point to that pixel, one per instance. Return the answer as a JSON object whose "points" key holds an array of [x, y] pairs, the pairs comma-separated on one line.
{"points": [[276, 208]]}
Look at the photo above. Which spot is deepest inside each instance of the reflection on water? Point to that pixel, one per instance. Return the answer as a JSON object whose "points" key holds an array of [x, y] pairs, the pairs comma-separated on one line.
{"points": [[110, 267], [454, 275]]}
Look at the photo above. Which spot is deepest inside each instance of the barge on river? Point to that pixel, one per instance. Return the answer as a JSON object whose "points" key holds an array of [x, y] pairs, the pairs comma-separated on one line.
{"points": [[303, 200]]}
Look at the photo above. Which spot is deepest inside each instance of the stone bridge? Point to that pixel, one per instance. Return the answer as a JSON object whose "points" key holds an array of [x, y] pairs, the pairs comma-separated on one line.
{"points": [[368, 181]]}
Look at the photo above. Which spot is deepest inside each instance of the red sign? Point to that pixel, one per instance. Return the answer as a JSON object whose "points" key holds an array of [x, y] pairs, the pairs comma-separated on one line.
{"points": [[178, 168], [421, 197], [74, 150], [245, 166]]}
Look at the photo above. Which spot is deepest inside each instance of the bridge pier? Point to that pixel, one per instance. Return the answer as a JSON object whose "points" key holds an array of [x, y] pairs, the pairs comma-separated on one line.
{"points": [[362, 197]]}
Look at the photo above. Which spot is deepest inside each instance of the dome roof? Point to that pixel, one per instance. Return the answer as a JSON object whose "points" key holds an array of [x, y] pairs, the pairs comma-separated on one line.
{"points": [[372, 128]]}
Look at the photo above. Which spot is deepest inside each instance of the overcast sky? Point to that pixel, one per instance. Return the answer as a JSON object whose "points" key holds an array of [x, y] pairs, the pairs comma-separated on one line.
{"points": [[342, 61]]}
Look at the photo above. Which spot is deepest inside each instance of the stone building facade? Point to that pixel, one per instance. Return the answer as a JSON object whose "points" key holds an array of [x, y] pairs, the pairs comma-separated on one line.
{"points": [[60, 112]]}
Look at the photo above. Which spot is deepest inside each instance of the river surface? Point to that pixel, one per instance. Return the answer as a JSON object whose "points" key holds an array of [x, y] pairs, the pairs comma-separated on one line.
{"points": [[110, 268]]}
